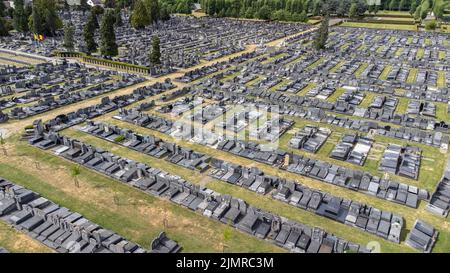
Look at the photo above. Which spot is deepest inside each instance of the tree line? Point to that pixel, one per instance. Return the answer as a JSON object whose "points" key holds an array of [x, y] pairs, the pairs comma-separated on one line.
{"points": [[283, 10]]}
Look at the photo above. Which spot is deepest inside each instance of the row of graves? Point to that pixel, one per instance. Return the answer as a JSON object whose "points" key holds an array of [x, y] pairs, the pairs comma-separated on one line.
{"points": [[372, 220], [49, 86], [344, 211], [285, 233], [401, 160], [323, 171], [108, 104], [326, 172], [50, 80], [382, 108], [411, 128], [186, 40], [64, 230], [381, 223], [149, 145]]}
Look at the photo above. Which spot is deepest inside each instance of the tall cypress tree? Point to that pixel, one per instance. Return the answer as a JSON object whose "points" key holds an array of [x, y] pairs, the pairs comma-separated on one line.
{"points": [[322, 34], [108, 46], [155, 53], [89, 32], [69, 31], [3, 28], [20, 20], [139, 16], [153, 10]]}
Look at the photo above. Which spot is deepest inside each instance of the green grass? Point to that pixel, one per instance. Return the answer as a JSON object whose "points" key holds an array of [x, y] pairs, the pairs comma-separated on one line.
{"points": [[14, 240], [132, 219], [412, 75], [402, 105], [379, 26], [367, 99], [385, 73], [339, 91], [360, 69]]}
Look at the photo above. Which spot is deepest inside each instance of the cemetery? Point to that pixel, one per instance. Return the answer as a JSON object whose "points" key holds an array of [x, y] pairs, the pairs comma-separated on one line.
{"points": [[249, 124], [222, 208], [64, 230]]}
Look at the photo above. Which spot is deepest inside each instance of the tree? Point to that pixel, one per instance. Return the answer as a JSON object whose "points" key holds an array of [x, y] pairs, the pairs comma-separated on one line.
{"points": [[139, 16], [2, 9], [322, 34], [413, 7], [20, 19], [164, 13], [69, 31], [84, 6], [88, 33], [110, 4], [352, 11], [75, 171], [44, 18], [264, 13], [431, 25], [118, 22], [153, 10], [3, 28], [155, 53], [108, 46]]}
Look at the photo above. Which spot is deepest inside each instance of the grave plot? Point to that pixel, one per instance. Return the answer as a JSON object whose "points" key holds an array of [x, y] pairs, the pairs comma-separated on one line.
{"points": [[238, 118], [321, 92], [404, 161], [272, 129], [352, 148], [426, 77], [351, 96], [207, 113], [179, 107], [293, 87], [310, 138], [223, 208], [422, 236], [421, 108], [382, 108], [370, 219], [398, 74], [440, 199], [63, 230]]}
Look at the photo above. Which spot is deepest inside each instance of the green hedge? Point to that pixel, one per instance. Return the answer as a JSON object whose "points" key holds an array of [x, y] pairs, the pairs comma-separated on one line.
{"points": [[383, 22], [87, 58]]}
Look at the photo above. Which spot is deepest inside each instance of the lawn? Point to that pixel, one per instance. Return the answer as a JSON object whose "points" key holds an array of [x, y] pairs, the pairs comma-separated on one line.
{"points": [[125, 210], [15, 241], [380, 26]]}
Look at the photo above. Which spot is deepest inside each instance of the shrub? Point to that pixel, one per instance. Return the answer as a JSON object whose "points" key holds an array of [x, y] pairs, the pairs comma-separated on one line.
{"points": [[431, 25], [119, 139]]}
